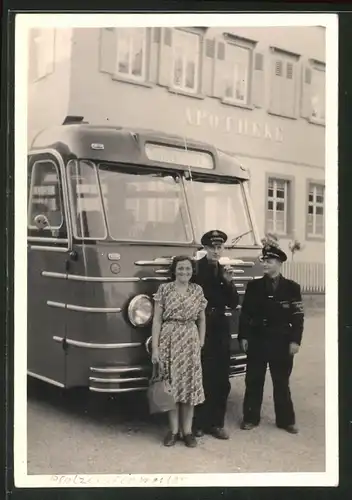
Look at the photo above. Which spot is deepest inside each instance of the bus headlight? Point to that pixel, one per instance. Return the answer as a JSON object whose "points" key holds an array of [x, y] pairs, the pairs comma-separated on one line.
{"points": [[140, 310]]}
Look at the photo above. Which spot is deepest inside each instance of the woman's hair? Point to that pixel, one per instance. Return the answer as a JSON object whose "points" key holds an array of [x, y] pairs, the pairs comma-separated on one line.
{"points": [[176, 260]]}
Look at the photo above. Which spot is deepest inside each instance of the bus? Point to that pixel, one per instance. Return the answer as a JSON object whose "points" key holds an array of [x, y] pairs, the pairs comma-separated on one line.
{"points": [[108, 209]]}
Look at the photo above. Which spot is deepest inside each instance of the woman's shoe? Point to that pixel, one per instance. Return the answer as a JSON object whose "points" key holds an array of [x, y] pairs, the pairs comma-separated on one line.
{"points": [[190, 441], [170, 439]]}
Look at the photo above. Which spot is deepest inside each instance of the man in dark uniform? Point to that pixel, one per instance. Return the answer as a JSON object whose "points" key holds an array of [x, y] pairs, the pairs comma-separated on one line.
{"points": [[270, 332], [220, 292]]}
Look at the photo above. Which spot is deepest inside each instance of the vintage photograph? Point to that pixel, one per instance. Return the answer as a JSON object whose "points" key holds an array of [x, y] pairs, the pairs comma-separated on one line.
{"points": [[176, 239]]}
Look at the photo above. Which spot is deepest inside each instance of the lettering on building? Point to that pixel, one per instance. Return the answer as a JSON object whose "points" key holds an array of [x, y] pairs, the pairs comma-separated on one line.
{"points": [[230, 124]]}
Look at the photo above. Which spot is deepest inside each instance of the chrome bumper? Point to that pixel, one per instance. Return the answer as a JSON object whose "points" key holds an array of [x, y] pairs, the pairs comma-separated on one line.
{"points": [[119, 379]]}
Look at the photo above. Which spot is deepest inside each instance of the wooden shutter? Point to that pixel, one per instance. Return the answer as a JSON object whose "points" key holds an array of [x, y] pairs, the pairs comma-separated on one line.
{"points": [[258, 80], [108, 50], [219, 68], [166, 57], [208, 65], [277, 77], [154, 52], [289, 89], [32, 56], [306, 91]]}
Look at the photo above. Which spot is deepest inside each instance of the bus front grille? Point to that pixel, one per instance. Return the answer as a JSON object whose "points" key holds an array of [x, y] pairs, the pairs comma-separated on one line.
{"points": [[119, 378]]}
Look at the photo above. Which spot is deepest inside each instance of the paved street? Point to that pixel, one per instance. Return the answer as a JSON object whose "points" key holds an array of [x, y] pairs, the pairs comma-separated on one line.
{"points": [[80, 433]]}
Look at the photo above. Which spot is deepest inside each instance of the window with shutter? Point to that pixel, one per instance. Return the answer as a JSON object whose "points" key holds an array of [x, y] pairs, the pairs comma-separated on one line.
{"points": [[259, 62], [186, 61], [210, 48], [283, 85], [318, 94], [277, 206], [315, 214], [131, 53], [289, 71], [278, 68], [221, 51], [236, 74]]}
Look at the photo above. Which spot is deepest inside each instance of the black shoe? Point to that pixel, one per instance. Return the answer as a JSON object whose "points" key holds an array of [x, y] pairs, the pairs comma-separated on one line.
{"points": [[198, 433], [170, 439], [190, 441], [291, 429], [218, 433], [247, 426]]}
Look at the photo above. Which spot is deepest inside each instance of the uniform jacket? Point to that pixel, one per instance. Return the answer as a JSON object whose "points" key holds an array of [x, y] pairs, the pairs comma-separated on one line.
{"points": [[217, 291], [275, 312]]}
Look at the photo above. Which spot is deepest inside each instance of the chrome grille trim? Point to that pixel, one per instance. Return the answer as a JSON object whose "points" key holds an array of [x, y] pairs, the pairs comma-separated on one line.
{"points": [[154, 278], [91, 345], [101, 279], [117, 369], [156, 262], [45, 379], [73, 307], [125, 389], [116, 380]]}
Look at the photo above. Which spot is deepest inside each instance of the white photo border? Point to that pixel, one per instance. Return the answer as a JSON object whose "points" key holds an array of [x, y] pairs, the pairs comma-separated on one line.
{"points": [[23, 23]]}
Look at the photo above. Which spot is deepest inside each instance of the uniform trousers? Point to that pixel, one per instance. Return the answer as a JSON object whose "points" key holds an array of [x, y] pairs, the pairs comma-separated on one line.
{"points": [[216, 370], [273, 351]]}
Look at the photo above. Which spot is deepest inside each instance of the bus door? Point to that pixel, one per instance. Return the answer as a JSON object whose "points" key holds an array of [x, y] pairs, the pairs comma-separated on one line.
{"points": [[48, 254]]}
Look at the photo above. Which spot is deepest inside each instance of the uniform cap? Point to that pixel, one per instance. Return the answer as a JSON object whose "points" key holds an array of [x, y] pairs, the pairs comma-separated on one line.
{"points": [[213, 237], [273, 252]]}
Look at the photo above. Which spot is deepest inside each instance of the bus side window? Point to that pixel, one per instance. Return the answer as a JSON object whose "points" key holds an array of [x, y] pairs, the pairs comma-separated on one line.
{"points": [[45, 206]]}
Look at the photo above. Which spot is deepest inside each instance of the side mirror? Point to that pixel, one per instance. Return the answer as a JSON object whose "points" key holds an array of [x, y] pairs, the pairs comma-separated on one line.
{"points": [[41, 221]]}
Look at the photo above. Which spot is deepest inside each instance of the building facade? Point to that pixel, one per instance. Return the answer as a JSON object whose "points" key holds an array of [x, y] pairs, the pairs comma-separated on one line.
{"points": [[257, 93]]}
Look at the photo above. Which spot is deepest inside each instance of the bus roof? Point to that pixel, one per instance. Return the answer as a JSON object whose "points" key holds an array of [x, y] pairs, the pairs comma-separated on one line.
{"points": [[106, 143]]}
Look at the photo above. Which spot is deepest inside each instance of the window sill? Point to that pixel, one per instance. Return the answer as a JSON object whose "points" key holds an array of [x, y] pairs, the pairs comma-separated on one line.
{"points": [[286, 236], [288, 117], [118, 78], [229, 102], [316, 121], [172, 90], [318, 239]]}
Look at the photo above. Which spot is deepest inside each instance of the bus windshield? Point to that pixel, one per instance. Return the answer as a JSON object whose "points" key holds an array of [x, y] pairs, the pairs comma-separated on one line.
{"points": [[144, 205], [220, 204], [148, 205]]}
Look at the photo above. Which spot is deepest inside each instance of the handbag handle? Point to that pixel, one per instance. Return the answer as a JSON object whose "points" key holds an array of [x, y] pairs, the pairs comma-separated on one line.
{"points": [[156, 373]]}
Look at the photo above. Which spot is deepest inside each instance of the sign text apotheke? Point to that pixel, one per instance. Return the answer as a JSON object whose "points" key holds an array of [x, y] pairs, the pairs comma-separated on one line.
{"points": [[178, 156], [230, 124]]}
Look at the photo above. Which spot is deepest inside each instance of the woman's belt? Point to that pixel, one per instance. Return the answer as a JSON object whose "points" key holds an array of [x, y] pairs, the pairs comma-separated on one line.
{"points": [[179, 321]]}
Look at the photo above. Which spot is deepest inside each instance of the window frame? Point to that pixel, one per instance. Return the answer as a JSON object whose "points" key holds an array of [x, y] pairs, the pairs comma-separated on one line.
{"points": [[289, 220], [190, 195], [250, 46], [195, 92], [286, 57], [44, 243], [129, 77], [315, 183], [71, 198], [314, 66], [62, 207], [154, 170]]}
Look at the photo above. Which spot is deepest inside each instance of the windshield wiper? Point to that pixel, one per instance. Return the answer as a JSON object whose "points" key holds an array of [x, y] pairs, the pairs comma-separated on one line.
{"points": [[236, 239]]}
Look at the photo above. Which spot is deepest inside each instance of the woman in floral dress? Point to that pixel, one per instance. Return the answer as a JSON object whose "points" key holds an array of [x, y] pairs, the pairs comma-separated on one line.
{"points": [[177, 338]]}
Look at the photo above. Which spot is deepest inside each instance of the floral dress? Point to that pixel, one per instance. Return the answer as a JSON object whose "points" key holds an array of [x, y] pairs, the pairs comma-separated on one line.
{"points": [[179, 347]]}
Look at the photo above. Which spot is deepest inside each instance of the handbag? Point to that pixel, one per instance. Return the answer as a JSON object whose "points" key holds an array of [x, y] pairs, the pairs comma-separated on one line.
{"points": [[159, 393]]}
